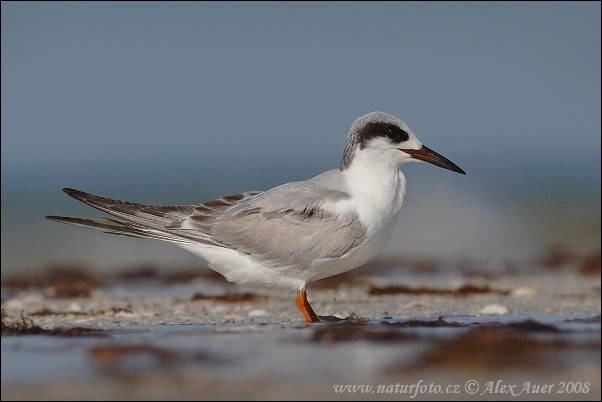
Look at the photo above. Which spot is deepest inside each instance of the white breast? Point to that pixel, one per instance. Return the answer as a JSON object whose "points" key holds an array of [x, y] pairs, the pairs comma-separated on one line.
{"points": [[377, 188]]}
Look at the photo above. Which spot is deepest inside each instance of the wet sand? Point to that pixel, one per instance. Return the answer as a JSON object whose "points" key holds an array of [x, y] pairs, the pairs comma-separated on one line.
{"points": [[411, 329]]}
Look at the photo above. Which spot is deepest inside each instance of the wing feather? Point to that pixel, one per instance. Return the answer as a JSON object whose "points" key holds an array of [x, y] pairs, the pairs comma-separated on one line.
{"points": [[288, 225], [283, 226]]}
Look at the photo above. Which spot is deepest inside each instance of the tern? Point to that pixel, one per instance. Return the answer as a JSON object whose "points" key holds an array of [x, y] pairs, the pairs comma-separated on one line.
{"points": [[295, 233]]}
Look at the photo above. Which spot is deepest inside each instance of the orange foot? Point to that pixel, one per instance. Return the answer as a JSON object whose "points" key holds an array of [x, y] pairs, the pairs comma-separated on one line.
{"points": [[305, 308]]}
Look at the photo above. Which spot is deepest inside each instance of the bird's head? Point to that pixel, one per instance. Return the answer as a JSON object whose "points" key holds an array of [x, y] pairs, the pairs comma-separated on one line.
{"points": [[385, 140]]}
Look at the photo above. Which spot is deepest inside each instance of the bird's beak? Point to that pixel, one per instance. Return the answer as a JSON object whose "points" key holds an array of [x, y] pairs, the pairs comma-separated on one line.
{"points": [[430, 156]]}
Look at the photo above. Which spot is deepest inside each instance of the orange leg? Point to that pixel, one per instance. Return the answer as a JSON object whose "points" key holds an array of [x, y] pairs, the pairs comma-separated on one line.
{"points": [[305, 308]]}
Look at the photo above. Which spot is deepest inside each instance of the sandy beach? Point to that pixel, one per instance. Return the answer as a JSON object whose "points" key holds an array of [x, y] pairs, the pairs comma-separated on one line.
{"points": [[411, 329]]}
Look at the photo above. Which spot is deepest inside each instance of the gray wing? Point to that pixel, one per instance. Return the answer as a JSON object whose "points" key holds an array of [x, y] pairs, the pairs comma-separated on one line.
{"points": [[148, 221], [283, 226]]}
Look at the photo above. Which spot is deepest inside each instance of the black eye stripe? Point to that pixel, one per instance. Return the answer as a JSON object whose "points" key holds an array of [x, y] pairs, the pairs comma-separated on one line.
{"points": [[392, 134], [390, 131]]}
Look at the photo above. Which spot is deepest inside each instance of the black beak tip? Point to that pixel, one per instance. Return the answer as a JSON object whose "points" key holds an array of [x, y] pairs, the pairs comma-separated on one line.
{"points": [[428, 155], [458, 170]]}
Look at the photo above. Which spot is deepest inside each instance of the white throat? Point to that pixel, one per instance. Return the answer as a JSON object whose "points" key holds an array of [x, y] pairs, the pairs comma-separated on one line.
{"points": [[377, 188]]}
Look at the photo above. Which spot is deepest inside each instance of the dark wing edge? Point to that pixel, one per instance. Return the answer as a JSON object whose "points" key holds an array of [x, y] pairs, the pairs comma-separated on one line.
{"points": [[122, 228], [148, 221]]}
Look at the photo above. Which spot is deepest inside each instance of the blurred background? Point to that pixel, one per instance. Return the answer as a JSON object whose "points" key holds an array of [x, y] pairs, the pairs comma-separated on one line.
{"points": [[179, 103]]}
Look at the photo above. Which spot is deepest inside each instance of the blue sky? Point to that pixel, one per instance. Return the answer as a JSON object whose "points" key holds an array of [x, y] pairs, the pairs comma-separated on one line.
{"points": [[180, 102]]}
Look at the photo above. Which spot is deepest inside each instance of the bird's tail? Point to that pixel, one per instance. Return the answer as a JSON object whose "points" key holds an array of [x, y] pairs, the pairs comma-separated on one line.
{"points": [[138, 220]]}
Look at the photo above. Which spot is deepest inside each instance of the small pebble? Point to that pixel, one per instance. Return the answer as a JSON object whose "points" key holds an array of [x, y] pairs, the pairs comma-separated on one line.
{"points": [[523, 292], [494, 309], [258, 312]]}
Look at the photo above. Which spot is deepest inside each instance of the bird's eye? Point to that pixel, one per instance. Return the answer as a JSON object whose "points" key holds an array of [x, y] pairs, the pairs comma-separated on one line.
{"points": [[392, 134]]}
